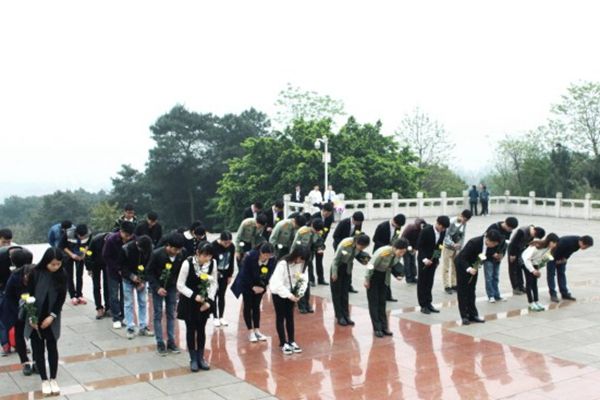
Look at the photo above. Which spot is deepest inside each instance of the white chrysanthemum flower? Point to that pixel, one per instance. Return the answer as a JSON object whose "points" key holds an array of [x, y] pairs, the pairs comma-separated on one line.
{"points": [[30, 300]]}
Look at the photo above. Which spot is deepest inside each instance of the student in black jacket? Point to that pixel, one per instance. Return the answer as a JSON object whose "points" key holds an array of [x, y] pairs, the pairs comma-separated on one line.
{"points": [[297, 196], [274, 215], [468, 263], [491, 266], [128, 215], [429, 247], [326, 214], [224, 255], [74, 243], [346, 228], [519, 242], [252, 211], [94, 263], [163, 269], [567, 245], [384, 235], [150, 227]]}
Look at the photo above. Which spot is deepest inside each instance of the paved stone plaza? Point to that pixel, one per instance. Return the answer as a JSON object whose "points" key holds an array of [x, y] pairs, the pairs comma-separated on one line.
{"points": [[547, 355]]}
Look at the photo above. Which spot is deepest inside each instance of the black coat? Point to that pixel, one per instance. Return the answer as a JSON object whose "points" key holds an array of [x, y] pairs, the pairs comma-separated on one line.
{"points": [[327, 222], [250, 274], [502, 246], [155, 232], [344, 230], [567, 245], [247, 213], [295, 199], [129, 260], [224, 258], [469, 254], [272, 220], [5, 264], [426, 244], [157, 264], [95, 261], [383, 235]]}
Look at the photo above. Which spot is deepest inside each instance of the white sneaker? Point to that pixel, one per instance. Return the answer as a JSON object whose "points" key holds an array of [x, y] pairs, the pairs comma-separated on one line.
{"points": [[532, 307], [46, 388], [540, 307], [54, 387], [252, 337], [117, 325], [260, 336], [216, 322], [224, 322], [491, 300], [295, 347], [287, 349]]}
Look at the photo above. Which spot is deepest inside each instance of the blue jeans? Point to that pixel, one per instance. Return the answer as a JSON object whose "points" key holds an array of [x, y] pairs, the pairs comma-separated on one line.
{"points": [[558, 270], [116, 298], [157, 302], [130, 291], [491, 270]]}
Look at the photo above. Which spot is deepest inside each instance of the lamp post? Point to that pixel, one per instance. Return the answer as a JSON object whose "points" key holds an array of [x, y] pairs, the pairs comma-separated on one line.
{"points": [[326, 157]]}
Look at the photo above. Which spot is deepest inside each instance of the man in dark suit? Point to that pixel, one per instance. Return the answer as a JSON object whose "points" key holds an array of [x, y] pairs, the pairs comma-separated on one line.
{"points": [[346, 228], [567, 245], [326, 214], [429, 247], [411, 233], [468, 263], [252, 211], [297, 196], [273, 217], [385, 233]]}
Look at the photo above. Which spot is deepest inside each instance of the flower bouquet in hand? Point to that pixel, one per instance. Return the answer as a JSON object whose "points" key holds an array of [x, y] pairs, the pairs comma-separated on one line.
{"points": [[437, 253], [205, 280], [477, 265], [298, 289], [264, 274], [165, 275], [31, 311], [545, 260]]}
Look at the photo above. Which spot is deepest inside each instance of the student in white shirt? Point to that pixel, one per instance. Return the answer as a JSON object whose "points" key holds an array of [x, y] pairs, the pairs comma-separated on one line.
{"points": [[330, 195], [196, 304], [315, 198], [288, 284], [534, 258]]}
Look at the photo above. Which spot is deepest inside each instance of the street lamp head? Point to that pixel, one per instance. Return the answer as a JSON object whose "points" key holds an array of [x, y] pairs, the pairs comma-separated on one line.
{"points": [[317, 144]]}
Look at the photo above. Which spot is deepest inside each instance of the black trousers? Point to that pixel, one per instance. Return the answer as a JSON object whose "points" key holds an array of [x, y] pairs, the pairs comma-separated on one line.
{"points": [[473, 207], [484, 207], [196, 330], [319, 267], [284, 316], [425, 283], [515, 273], [466, 285], [252, 309], [39, 347], [410, 267], [339, 292], [100, 288], [74, 268], [304, 303], [219, 307], [531, 287], [376, 295], [20, 341]]}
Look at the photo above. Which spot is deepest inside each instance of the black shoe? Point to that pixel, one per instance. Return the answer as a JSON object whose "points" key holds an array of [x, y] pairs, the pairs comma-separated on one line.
{"points": [[477, 319], [323, 283], [449, 290], [433, 309], [310, 310], [312, 284], [194, 361], [27, 369], [465, 321], [393, 300], [388, 333], [352, 290], [203, 364], [425, 310], [569, 297], [350, 322], [342, 322], [34, 369], [554, 299], [454, 288], [378, 334], [173, 348], [302, 310], [161, 349]]}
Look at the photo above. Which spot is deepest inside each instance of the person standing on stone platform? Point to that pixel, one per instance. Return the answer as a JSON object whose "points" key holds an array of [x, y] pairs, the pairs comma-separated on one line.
{"points": [[468, 264], [348, 227], [453, 242], [567, 245], [127, 216], [197, 286], [429, 247], [535, 257], [473, 199], [249, 235], [224, 256], [520, 241], [284, 232], [385, 234], [274, 215], [411, 234], [491, 266], [326, 214], [96, 267], [74, 243], [386, 262], [341, 273]]}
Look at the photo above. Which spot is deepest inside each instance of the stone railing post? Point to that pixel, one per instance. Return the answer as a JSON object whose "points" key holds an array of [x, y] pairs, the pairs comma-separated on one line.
{"points": [[369, 208], [419, 204], [286, 205], [506, 201], [558, 205], [444, 202], [395, 203], [466, 199], [531, 202], [587, 206]]}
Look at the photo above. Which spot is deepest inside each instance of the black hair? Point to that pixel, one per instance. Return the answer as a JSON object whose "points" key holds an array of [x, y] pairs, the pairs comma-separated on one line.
{"points": [[204, 248], [6, 233], [400, 243], [226, 235], [59, 277], [20, 257], [81, 230], [258, 204], [307, 218], [363, 240], [127, 227], [443, 220], [176, 240], [152, 216], [328, 206], [200, 231], [266, 247], [261, 219], [358, 216], [300, 220], [278, 204], [66, 224], [194, 225], [301, 251], [539, 232], [466, 214], [144, 243], [494, 236], [512, 222], [317, 224], [399, 219], [129, 207], [587, 240]]}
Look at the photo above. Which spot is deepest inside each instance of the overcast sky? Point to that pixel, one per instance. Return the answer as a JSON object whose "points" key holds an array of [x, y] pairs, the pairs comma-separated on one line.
{"points": [[81, 82]]}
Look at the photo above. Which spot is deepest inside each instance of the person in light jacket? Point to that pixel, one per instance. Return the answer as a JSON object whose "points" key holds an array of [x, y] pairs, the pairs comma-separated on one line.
{"points": [[535, 257]]}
